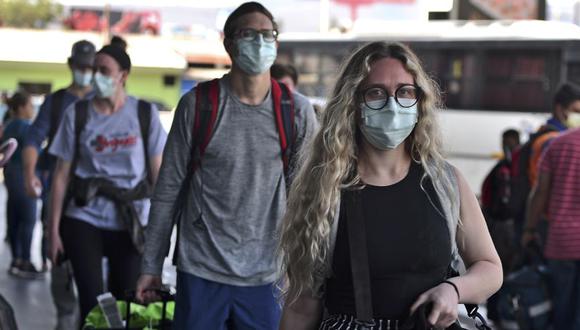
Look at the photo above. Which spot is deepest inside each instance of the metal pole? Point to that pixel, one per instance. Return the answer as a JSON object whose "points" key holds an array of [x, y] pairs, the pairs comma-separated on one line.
{"points": [[324, 15]]}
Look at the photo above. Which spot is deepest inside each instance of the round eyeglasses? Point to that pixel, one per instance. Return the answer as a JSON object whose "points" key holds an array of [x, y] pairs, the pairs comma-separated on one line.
{"points": [[406, 96], [252, 34]]}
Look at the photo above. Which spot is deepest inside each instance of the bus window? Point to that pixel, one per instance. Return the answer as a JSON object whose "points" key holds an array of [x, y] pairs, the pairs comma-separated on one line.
{"points": [[574, 72], [518, 81]]}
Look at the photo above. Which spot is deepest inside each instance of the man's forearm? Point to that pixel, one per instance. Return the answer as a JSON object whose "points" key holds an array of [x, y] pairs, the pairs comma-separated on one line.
{"points": [[535, 208]]}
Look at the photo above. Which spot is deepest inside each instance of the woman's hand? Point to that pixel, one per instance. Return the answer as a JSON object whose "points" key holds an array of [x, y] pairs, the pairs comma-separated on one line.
{"points": [[56, 247], [444, 300]]}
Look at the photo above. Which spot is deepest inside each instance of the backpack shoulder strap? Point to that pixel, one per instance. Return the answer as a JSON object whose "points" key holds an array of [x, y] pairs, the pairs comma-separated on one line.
{"points": [[56, 110], [81, 117], [285, 120], [144, 110], [206, 112]]}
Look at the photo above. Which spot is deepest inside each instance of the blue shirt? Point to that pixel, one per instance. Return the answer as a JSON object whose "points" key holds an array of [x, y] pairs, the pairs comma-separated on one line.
{"points": [[556, 124], [111, 147], [16, 128]]}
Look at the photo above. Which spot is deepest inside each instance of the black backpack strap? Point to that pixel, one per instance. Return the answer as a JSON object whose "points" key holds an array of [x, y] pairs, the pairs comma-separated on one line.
{"points": [[81, 117], [359, 259], [56, 110], [144, 110]]}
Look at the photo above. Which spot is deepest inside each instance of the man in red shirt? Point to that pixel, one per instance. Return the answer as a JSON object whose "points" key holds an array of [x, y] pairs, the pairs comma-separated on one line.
{"points": [[557, 194]]}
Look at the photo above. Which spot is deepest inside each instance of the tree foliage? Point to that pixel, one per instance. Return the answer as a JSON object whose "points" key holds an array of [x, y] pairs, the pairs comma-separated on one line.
{"points": [[28, 13]]}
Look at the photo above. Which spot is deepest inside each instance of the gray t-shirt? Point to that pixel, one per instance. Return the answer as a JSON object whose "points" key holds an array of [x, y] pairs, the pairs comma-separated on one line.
{"points": [[237, 197], [111, 148]]}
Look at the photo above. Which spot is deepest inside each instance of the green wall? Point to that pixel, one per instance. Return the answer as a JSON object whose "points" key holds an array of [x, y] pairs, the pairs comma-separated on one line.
{"points": [[143, 82]]}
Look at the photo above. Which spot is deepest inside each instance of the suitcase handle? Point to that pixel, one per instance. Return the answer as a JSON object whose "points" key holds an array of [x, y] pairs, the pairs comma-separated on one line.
{"points": [[165, 294]]}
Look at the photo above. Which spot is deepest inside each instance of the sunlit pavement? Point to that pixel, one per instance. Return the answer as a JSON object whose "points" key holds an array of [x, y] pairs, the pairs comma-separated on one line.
{"points": [[31, 299]]}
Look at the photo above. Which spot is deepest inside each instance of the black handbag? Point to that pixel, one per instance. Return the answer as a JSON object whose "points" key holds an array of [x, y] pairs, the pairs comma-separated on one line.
{"points": [[418, 321]]}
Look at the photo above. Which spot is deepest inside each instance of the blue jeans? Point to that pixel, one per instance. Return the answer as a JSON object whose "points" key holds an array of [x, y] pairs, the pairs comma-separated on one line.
{"points": [[204, 304], [20, 213], [565, 287]]}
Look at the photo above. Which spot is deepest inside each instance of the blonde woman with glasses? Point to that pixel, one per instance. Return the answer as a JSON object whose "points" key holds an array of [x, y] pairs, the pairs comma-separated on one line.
{"points": [[375, 211]]}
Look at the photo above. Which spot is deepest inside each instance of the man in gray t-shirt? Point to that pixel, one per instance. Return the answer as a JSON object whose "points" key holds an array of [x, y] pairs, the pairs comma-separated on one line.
{"points": [[227, 239]]}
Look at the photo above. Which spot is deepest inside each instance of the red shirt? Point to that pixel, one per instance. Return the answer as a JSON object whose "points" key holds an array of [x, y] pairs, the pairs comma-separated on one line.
{"points": [[561, 161]]}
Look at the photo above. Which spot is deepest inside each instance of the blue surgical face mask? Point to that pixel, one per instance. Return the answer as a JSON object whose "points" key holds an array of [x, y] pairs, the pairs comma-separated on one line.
{"points": [[389, 126], [104, 85], [82, 78], [256, 56]]}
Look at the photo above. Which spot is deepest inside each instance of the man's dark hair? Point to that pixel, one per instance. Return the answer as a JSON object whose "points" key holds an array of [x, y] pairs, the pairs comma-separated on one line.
{"points": [[244, 9], [279, 71], [566, 95], [511, 133]]}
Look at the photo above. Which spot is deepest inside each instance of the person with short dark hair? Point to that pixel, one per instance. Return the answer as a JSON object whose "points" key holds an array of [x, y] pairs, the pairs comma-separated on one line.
{"points": [[37, 184], [285, 73], [234, 195], [566, 101], [20, 208], [495, 197], [510, 140]]}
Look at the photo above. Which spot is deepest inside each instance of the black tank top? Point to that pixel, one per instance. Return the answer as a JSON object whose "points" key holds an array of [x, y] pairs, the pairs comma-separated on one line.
{"points": [[408, 245]]}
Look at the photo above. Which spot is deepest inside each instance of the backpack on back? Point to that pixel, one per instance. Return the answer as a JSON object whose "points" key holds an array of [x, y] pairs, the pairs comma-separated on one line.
{"points": [[207, 111], [144, 114], [523, 302], [496, 192], [204, 124], [520, 171]]}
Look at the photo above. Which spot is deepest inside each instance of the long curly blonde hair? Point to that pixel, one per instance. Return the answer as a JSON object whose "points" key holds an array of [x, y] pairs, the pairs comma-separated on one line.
{"points": [[329, 163]]}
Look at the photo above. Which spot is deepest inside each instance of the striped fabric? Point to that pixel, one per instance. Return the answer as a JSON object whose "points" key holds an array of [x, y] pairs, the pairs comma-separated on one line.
{"points": [[347, 322], [561, 161]]}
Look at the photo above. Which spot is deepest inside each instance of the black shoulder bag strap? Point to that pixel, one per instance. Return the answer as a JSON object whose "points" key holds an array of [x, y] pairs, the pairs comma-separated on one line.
{"points": [[144, 114], [81, 117], [56, 111], [359, 260]]}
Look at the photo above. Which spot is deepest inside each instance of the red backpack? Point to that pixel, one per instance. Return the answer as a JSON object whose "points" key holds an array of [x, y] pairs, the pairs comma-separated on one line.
{"points": [[204, 124], [206, 112]]}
